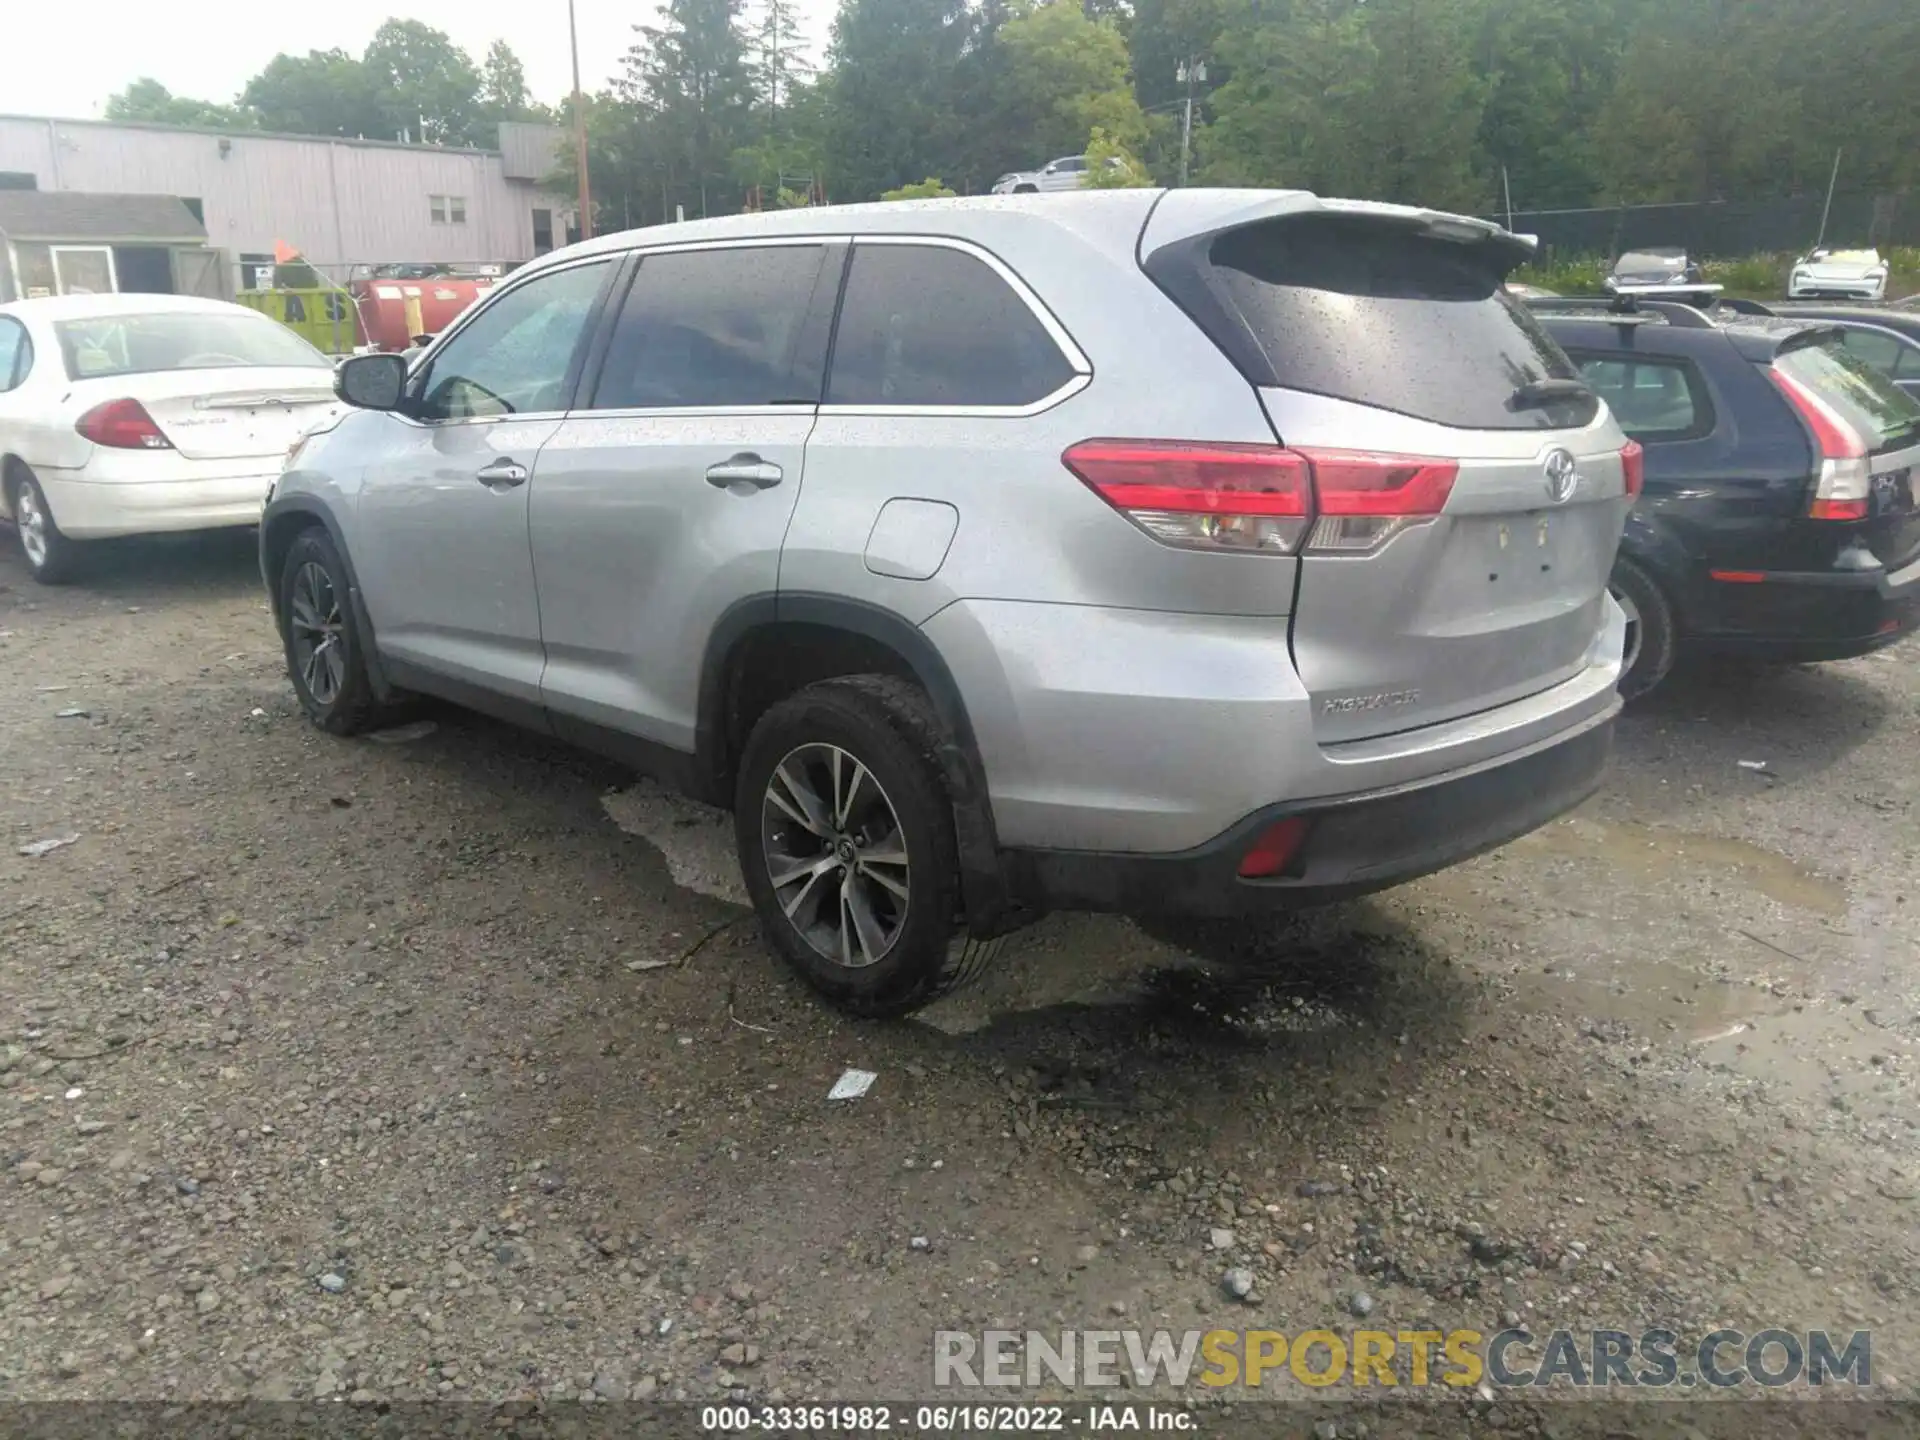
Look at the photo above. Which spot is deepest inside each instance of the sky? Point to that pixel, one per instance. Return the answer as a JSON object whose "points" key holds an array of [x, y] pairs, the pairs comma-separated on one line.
{"points": [[66, 59]]}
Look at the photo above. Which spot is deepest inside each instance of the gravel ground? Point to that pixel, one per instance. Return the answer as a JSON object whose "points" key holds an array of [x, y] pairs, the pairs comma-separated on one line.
{"points": [[446, 1064]]}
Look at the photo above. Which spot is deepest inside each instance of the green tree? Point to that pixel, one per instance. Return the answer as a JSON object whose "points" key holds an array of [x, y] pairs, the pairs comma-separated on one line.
{"points": [[927, 189], [1111, 166], [430, 89], [324, 92], [896, 74], [1065, 76], [503, 93], [147, 101], [689, 77]]}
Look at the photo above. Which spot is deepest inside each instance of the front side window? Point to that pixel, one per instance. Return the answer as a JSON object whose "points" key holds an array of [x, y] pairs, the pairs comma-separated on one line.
{"points": [[516, 354], [16, 354], [927, 325], [149, 342], [1652, 399], [723, 327]]}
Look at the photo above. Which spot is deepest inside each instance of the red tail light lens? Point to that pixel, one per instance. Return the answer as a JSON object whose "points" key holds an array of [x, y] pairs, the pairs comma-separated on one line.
{"points": [[1633, 467], [1259, 498], [1845, 478], [1201, 497], [122, 425], [1365, 499], [1274, 850]]}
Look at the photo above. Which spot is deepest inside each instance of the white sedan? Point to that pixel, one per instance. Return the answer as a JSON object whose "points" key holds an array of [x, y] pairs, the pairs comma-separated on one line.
{"points": [[133, 414]]}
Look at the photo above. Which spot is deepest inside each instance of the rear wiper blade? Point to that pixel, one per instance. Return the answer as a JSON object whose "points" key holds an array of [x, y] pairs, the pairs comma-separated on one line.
{"points": [[1536, 393]]}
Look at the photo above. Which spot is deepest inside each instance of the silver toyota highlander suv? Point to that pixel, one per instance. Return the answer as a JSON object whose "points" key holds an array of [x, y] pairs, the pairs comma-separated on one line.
{"points": [[1198, 552]]}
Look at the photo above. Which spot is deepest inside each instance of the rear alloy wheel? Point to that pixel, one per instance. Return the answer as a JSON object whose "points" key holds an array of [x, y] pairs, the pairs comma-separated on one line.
{"points": [[323, 645], [1650, 633], [845, 835], [52, 558]]}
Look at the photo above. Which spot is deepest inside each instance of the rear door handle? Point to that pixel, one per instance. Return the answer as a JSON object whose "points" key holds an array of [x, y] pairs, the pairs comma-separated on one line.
{"points": [[745, 468], [505, 473]]}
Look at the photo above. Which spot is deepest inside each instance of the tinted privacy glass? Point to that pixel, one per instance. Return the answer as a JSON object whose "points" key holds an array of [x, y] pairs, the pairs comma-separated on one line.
{"points": [[513, 357], [717, 327], [1879, 349], [1379, 315], [1651, 400], [927, 325], [1881, 411]]}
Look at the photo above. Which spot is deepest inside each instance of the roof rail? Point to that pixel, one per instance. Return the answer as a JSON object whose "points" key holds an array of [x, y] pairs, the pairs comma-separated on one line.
{"points": [[1684, 317], [1747, 307]]}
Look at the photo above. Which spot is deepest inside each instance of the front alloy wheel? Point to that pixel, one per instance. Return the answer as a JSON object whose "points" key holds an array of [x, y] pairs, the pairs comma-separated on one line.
{"points": [[836, 855], [316, 632]]}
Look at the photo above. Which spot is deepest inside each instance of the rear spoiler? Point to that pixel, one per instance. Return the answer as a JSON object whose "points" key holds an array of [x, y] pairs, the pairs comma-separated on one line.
{"points": [[1199, 216]]}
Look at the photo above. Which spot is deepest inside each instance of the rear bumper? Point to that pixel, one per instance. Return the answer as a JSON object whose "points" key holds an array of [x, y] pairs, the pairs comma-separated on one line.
{"points": [[1811, 616], [92, 509], [1353, 846]]}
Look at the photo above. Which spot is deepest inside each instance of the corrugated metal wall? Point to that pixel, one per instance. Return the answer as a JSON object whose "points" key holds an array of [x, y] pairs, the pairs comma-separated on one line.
{"points": [[339, 202]]}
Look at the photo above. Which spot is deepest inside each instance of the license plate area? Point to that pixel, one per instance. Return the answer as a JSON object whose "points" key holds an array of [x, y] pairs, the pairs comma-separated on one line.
{"points": [[1523, 554]]}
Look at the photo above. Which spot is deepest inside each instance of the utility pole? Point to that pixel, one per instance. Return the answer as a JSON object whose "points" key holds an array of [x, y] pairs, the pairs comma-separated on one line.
{"points": [[580, 131], [1508, 188], [1190, 70], [1827, 210]]}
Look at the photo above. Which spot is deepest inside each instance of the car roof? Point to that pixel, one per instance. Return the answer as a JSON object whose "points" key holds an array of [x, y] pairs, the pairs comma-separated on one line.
{"points": [[1907, 322], [1758, 337], [86, 307]]}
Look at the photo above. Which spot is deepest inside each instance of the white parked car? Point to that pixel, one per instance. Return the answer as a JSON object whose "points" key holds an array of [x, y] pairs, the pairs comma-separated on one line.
{"points": [[133, 414], [1069, 172], [1839, 275]]}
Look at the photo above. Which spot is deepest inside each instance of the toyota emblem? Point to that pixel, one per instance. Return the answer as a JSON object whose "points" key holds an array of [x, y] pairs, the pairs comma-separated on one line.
{"points": [[1563, 475]]}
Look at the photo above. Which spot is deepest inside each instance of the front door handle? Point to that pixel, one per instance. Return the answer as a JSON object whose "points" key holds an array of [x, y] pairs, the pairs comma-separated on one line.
{"points": [[745, 468], [504, 473]]}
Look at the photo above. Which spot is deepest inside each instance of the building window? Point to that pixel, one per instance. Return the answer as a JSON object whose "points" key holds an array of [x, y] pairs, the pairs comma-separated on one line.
{"points": [[448, 209], [542, 231]]}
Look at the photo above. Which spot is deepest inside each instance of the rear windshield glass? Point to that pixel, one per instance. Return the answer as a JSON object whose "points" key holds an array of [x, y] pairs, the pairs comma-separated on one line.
{"points": [[1387, 317], [1872, 404], [141, 344]]}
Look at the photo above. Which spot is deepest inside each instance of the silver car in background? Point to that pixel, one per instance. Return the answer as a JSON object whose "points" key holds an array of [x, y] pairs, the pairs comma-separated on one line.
{"points": [[1201, 552]]}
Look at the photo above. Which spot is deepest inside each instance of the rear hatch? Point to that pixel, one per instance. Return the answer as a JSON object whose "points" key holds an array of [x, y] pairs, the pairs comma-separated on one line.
{"points": [[1469, 491], [233, 415], [1879, 432]]}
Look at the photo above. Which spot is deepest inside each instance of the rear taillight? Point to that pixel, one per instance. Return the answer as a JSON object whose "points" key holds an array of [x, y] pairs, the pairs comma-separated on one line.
{"points": [[122, 425], [1845, 479], [1260, 498], [1633, 467]]}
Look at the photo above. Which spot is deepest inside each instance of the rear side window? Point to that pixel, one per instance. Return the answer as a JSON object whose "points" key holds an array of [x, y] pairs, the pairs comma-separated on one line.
{"points": [[16, 354], [1658, 400], [928, 325], [1885, 352], [1370, 312], [712, 328], [1867, 400]]}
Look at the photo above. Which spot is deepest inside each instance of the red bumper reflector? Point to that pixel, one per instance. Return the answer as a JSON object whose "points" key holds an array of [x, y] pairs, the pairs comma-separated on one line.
{"points": [[1739, 577], [1838, 510], [1274, 849], [1887, 627]]}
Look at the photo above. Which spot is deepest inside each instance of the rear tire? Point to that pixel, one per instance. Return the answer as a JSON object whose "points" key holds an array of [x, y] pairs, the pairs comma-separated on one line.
{"points": [[326, 656], [1650, 629], [845, 835], [52, 558]]}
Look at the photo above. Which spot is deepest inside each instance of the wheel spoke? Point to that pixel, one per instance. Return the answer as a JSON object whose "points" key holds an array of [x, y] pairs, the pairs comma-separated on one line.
{"points": [[336, 665], [885, 882], [800, 895], [304, 615], [843, 812], [866, 925], [799, 803], [802, 868], [887, 852]]}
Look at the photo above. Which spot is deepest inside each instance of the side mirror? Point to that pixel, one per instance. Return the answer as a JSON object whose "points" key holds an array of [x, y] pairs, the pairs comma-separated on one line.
{"points": [[372, 382]]}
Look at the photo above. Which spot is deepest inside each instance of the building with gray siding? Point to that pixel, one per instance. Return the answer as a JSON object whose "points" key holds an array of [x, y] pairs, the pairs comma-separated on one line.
{"points": [[341, 203]]}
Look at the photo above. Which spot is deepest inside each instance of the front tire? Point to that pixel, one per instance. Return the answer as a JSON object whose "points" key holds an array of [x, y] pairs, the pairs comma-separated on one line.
{"points": [[845, 834], [52, 558], [1650, 629], [326, 658]]}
